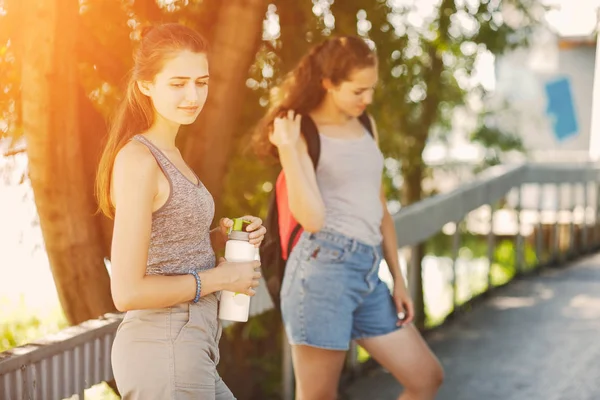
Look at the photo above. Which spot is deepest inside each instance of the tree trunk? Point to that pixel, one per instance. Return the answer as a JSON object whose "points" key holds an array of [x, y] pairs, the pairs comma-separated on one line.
{"points": [[92, 131], [297, 22], [411, 191], [60, 183], [413, 171], [236, 39]]}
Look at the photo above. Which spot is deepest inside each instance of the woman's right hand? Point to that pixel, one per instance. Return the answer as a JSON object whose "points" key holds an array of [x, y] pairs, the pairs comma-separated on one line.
{"points": [[241, 277], [286, 130]]}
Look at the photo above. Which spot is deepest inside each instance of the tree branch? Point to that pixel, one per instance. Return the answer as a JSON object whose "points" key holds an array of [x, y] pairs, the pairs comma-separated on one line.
{"points": [[14, 152]]}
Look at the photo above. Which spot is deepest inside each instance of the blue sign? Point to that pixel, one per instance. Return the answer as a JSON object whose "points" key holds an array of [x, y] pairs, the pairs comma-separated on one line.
{"points": [[561, 109]]}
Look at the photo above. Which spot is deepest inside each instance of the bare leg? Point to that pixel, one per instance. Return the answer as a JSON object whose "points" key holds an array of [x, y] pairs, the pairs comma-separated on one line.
{"points": [[317, 372], [405, 355]]}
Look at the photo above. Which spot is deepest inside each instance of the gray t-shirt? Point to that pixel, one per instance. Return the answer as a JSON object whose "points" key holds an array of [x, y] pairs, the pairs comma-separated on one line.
{"points": [[349, 178]]}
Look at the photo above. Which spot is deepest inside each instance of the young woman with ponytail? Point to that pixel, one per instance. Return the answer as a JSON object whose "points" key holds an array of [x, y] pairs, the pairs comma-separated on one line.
{"points": [[331, 293], [163, 260]]}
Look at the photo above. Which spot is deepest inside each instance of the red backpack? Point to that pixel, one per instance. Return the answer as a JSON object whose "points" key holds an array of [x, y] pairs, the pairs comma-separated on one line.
{"points": [[283, 231]]}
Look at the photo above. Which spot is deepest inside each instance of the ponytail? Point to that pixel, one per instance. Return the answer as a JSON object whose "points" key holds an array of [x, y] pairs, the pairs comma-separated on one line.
{"points": [[135, 113]]}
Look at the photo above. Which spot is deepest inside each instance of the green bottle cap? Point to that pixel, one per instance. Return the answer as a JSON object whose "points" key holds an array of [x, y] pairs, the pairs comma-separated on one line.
{"points": [[237, 231], [238, 224]]}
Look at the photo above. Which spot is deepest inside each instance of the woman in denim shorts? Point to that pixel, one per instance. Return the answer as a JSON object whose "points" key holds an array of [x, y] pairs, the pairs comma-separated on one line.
{"points": [[331, 292]]}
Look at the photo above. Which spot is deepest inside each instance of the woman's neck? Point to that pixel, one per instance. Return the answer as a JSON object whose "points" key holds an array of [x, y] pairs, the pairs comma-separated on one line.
{"points": [[163, 134], [328, 113]]}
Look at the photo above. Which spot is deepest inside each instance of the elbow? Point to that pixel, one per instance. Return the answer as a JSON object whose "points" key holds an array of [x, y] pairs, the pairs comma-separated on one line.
{"points": [[313, 226], [121, 307], [123, 300], [313, 222], [121, 304], [310, 216]]}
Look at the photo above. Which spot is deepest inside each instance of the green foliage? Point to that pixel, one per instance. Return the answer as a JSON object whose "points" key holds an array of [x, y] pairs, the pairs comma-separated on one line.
{"points": [[496, 142], [426, 66], [22, 326], [251, 356], [503, 269], [98, 392], [505, 259], [440, 244], [474, 249], [425, 71]]}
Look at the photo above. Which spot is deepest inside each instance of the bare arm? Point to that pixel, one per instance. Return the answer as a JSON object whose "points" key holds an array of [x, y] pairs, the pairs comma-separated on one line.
{"points": [[390, 246], [131, 287], [304, 197], [388, 231], [402, 299]]}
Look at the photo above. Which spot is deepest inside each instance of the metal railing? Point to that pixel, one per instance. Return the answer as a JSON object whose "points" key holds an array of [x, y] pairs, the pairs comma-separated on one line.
{"points": [[562, 197], [555, 206], [77, 358], [60, 365]]}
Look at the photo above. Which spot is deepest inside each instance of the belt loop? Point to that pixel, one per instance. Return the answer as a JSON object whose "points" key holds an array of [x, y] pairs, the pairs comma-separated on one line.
{"points": [[354, 246]]}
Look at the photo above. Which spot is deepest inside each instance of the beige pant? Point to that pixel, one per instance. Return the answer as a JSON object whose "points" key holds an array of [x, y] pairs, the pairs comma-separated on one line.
{"points": [[170, 353]]}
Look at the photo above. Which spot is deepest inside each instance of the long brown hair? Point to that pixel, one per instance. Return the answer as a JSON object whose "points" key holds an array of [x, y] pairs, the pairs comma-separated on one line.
{"points": [[135, 113], [302, 89]]}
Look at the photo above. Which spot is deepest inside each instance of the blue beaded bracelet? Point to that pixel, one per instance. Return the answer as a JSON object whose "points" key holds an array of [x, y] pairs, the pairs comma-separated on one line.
{"points": [[198, 285]]}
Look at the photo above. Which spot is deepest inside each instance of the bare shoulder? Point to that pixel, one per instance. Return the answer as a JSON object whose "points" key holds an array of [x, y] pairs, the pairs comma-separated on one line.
{"points": [[134, 177], [135, 160]]}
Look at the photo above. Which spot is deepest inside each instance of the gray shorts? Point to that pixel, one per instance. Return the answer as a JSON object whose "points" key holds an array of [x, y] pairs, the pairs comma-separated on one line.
{"points": [[170, 353]]}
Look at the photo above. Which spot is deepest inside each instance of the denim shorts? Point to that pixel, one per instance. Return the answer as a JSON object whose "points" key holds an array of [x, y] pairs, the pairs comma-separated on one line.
{"points": [[331, 292]]}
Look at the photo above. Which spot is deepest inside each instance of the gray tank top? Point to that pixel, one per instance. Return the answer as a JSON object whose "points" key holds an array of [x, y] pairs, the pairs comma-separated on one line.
{"points": [[349, 178], [180, 237]]}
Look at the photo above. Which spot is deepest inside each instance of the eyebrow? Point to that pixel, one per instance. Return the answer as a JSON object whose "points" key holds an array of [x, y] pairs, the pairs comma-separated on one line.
{"points": [[372, 86], [187, 77]]}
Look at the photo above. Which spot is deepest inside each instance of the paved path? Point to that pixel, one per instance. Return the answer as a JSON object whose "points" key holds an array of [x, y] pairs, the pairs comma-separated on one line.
{"points": [[537, 339]]}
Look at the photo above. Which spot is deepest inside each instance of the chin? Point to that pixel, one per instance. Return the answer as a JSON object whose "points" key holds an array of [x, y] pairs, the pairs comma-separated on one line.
{"points": [[187, 121], [354, 113]]}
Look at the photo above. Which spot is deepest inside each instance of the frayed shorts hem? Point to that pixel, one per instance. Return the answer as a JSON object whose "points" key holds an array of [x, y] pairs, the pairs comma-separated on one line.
{"points": [[333, 348], [375, 335]]}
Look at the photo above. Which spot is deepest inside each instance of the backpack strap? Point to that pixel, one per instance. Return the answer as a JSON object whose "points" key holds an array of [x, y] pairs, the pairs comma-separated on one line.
{"points": [[311, 135], [365, 120], [313, 141]]}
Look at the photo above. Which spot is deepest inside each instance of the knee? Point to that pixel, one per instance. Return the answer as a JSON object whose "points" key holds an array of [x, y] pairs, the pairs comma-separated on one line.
{"points": [[437, 376], [317, 394], [429, 381]]}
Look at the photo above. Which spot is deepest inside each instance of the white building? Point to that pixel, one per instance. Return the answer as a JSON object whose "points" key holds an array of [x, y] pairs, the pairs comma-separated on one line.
{"points": [[524, 79]]}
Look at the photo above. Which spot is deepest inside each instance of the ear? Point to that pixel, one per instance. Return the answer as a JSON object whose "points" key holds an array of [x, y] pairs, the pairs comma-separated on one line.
{"points": [[328, 85], [144, 87]]}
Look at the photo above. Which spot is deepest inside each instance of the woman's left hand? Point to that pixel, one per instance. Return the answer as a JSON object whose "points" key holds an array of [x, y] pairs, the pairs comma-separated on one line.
{"points": [[404, 305], [255, 228]]}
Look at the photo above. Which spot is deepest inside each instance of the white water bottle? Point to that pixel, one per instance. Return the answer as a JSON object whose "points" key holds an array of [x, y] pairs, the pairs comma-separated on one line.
{"points": [[236, 306]]}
